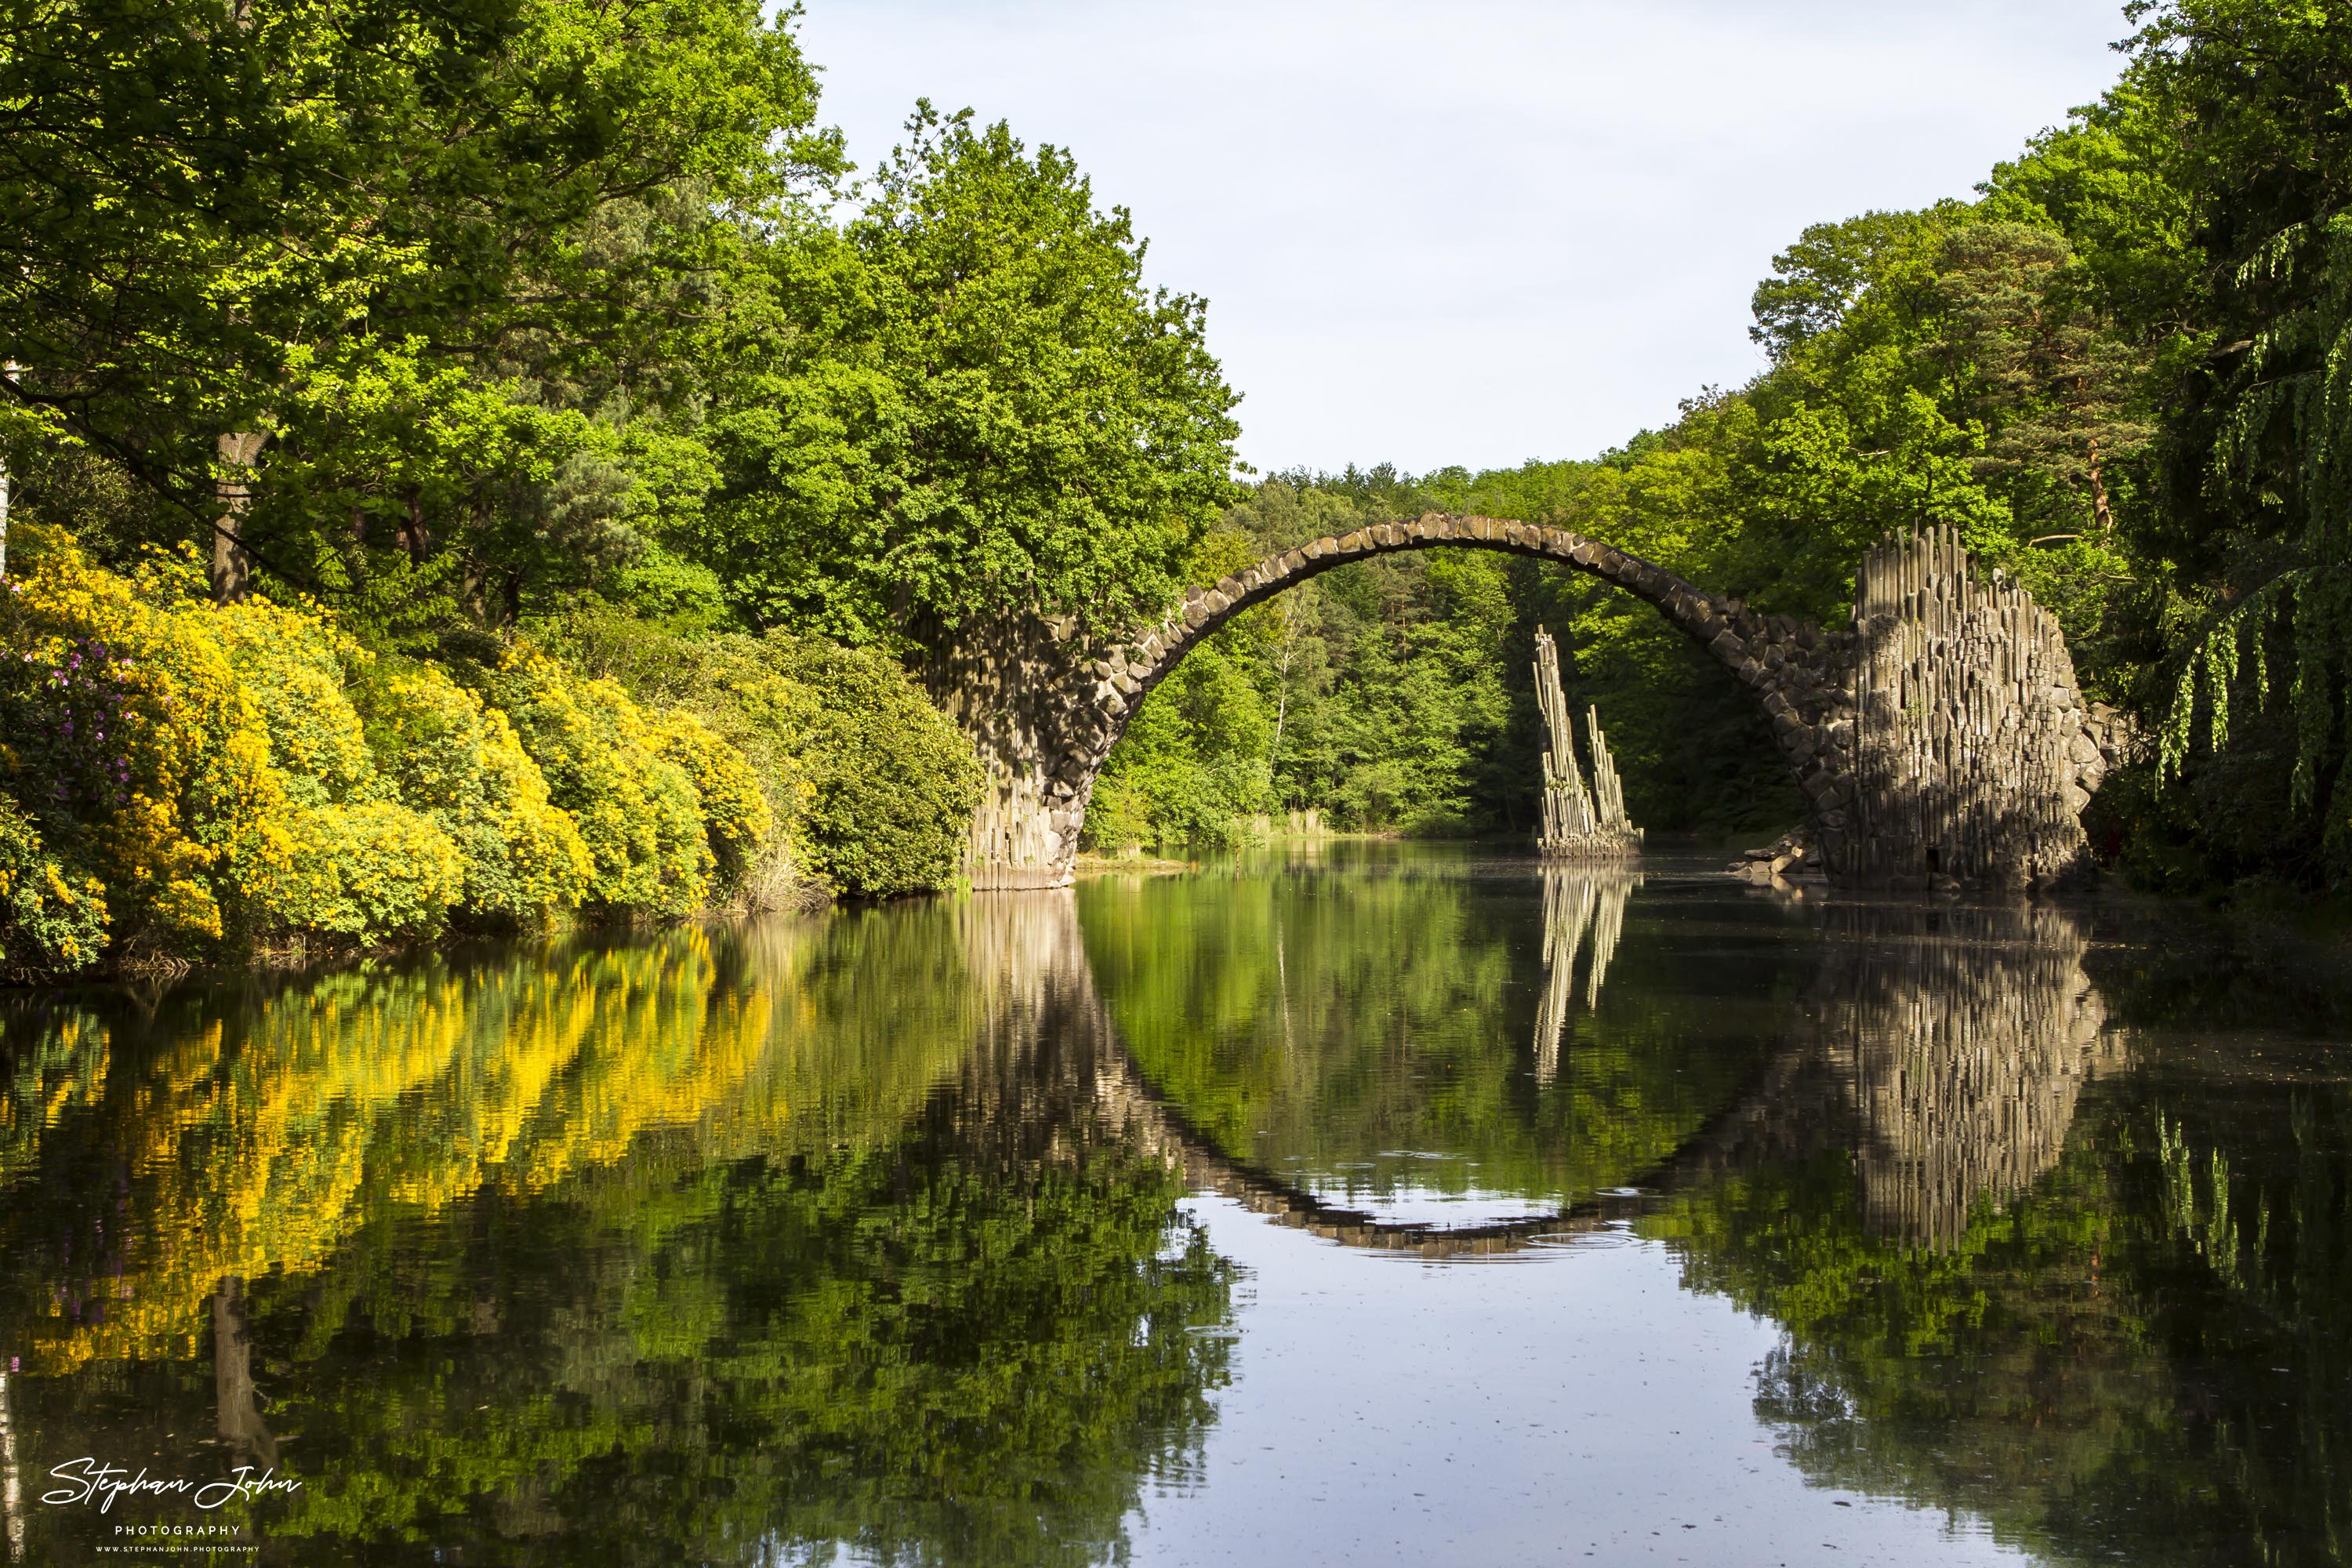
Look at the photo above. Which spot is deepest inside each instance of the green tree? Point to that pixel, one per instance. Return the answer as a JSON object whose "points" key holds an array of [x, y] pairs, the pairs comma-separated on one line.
{"points": [[2060, 388], [309, 273], [977, 409]]}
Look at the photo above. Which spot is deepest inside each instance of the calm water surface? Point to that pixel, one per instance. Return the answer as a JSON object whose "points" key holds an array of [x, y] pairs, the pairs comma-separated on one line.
{"points": [[1382, 1205]]}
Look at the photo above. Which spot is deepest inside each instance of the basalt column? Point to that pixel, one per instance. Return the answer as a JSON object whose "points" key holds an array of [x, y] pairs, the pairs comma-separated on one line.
{"points": [[1970, 759], [1578, 824]]}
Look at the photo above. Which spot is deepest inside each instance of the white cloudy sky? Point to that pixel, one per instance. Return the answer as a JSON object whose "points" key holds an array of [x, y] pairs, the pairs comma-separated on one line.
{"points": [[1478, 231]]}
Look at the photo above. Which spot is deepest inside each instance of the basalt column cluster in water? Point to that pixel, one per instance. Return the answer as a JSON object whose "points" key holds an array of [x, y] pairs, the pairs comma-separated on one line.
{"points": [[1577, 824]]}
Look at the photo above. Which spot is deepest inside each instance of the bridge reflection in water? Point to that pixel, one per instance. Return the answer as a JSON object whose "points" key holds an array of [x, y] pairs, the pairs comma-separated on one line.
{"points": [[1944, 1047]]}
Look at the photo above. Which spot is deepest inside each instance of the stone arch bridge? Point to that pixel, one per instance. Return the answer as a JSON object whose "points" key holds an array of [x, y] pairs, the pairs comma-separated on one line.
{"points": [[1938, 738]]}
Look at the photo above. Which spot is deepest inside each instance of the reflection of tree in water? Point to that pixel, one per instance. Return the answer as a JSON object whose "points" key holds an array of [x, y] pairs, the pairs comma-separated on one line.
{"points": [[814, 1236], [1577, 900], [1319, 1026]]}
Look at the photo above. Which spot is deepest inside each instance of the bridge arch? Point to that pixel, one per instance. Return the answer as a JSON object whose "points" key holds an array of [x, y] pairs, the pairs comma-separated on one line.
{"points": [[1939, 737], [1735, 636]]}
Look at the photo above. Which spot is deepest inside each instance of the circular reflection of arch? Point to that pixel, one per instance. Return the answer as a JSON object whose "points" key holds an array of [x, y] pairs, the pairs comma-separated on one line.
{"points": [[1946, 1048]]}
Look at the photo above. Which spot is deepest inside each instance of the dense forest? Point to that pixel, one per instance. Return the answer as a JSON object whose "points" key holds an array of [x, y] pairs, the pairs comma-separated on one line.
{"points": [[471, 464]]}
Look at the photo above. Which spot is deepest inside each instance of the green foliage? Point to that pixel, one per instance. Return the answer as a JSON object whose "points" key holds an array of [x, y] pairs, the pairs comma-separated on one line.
{"points": [[871, 789], [893, 783], [414, 255], [2209, 198]]}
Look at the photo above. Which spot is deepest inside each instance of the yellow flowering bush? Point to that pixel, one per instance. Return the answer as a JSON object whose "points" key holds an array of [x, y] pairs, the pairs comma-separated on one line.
{"points": [[294, 668], [363, 865], [177, 774], [735, 812], [638, 811], [200, 768], [128, 741], [366, 870], [50, 919], [460, 763]]}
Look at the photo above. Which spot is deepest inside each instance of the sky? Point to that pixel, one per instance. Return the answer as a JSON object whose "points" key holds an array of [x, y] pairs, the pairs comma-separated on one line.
{"points": [[1476, 231]]}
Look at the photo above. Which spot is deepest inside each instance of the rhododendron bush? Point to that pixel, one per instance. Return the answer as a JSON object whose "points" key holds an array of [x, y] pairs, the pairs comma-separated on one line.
{"points": [[179, 778]]}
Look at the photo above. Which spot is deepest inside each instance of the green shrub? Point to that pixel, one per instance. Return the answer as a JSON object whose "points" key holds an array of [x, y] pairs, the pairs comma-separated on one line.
{"points": [[893, 782], [460, 763]]}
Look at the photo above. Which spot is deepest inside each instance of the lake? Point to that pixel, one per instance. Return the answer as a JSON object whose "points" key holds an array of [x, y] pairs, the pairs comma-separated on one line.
{"points": [[1351, 1203]]}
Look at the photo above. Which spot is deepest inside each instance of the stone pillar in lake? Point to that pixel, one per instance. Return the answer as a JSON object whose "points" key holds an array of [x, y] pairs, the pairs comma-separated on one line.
{"points": [[1578, 824]]}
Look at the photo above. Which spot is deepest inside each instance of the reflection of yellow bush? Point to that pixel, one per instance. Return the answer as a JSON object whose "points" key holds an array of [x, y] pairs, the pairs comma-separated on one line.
{"points": [[460, 763], [260, 1148], [44, 1071]]}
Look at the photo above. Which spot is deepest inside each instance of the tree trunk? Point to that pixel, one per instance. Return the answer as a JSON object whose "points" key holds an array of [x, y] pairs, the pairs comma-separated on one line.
{"points": [[2099, 511], [12, 1487], [474, 590], [412, 535], [232, 492], [235, 1404]]}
